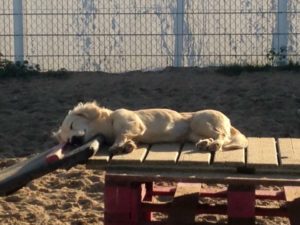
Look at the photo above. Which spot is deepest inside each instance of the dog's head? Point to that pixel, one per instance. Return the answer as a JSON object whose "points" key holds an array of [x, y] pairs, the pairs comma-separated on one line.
{"points": [[80, 124]]}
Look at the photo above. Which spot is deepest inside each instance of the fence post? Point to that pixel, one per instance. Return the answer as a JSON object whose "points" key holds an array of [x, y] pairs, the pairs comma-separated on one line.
{"points": [[178, 58], [18, 30], [280, 37]]}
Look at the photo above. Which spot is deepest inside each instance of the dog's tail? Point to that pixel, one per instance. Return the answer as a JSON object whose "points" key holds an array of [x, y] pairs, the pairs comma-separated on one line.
{"points": [[237, 140]]}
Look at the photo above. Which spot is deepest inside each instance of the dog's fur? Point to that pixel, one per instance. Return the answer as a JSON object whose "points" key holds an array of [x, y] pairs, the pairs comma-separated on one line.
{"points": [[209, 129]]}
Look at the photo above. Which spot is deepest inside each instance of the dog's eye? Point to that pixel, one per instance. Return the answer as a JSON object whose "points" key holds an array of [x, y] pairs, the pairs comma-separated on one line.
{"points": [[71, 126]]}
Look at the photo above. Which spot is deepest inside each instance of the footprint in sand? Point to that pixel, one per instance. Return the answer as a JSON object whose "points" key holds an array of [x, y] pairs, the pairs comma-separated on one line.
{"points": [[75, 184], [96, 187], [94, 178], [13, 198], [85, 203]]}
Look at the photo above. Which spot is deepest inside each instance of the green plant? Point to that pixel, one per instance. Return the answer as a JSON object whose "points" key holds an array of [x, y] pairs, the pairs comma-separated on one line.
{"points": [[60, 73], [17, 69], [277, 58], [236, 69]]}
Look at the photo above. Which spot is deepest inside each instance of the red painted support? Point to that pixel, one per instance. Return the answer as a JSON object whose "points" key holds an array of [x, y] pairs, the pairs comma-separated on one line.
{"points": [[148, 197], [215, 209], [241, 205], [124, 206], [183, 209], [122, 203], [220, 193]]}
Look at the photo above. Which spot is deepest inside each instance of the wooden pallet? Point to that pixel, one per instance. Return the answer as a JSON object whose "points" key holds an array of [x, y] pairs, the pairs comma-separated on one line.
{"points": [[267, 161], [277, 159]]}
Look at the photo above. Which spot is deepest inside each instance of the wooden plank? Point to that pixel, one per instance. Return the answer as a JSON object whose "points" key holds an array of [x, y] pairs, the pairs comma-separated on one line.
{"points": [[291, 193], [190, 155], [262, 152], [163, 154], [184, 206], [289, 150], [183, 189], [200, 176], [100, 160], [230, 157], [135, 157]]}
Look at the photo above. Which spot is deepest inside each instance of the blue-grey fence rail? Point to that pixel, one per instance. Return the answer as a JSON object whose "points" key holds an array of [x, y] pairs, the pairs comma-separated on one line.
{"points": [[124, 35]]}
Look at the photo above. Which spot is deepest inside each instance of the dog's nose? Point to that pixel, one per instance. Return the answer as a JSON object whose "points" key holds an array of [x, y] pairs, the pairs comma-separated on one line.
{"points": [[77, 140]]}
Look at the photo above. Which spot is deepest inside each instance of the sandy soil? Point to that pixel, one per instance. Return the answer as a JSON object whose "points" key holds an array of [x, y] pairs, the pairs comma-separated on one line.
{"points": [[259, 104]]}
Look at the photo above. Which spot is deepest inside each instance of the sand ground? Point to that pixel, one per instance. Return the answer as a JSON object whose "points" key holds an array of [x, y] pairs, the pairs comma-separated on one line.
{"points": [[259, 104]]}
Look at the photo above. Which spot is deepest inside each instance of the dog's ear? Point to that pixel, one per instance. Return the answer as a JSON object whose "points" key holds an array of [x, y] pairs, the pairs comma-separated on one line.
{"points": [[56, 135], [104, 113], [90, 111], [93, 113]]}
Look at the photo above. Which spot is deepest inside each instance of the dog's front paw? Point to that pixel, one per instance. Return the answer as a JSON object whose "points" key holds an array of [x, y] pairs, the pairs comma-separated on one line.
{"points": [[114, 150], [203, 145], [127, 147], [214, 146]]}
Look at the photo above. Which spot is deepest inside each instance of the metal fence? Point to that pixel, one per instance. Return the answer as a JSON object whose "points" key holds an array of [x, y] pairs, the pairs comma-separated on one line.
{"points": [[124, 35]]}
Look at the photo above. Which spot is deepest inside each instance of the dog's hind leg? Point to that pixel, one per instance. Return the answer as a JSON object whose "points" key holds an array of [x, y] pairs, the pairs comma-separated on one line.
{"points": [[209, 144], [212, 141], [216, 144], [201, 143]]}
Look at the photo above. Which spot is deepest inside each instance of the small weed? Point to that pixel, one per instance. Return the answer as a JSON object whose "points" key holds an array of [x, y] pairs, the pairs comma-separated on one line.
{"points": [[57, 73], [277, 58], [277, 62], [17, 69], [235, 69], [24, 69]]}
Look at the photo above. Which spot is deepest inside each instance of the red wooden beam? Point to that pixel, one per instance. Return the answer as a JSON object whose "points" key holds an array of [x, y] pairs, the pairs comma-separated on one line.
{"points": [[122, 204], [219, 193], [147, 196], [214, 209]]}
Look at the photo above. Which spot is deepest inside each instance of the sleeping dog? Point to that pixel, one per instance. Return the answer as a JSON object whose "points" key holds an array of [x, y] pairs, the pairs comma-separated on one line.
{"points": [[210, 130]]}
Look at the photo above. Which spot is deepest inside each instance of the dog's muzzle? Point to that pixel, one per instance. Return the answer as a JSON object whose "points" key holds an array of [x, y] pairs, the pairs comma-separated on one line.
{"points": [[77, 140]]}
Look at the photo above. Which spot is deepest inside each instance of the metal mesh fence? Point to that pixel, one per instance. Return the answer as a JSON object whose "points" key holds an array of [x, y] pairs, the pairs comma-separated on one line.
{"points": [[124, 35], [6, 29]]}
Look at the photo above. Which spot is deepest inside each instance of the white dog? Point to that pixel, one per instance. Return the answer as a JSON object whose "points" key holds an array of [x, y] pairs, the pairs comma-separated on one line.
{"points": [[209, 129]]}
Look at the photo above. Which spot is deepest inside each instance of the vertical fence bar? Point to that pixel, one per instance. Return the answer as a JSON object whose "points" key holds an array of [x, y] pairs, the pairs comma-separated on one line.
{"points": [[18, 30], [280, 37], [178, 58]]}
